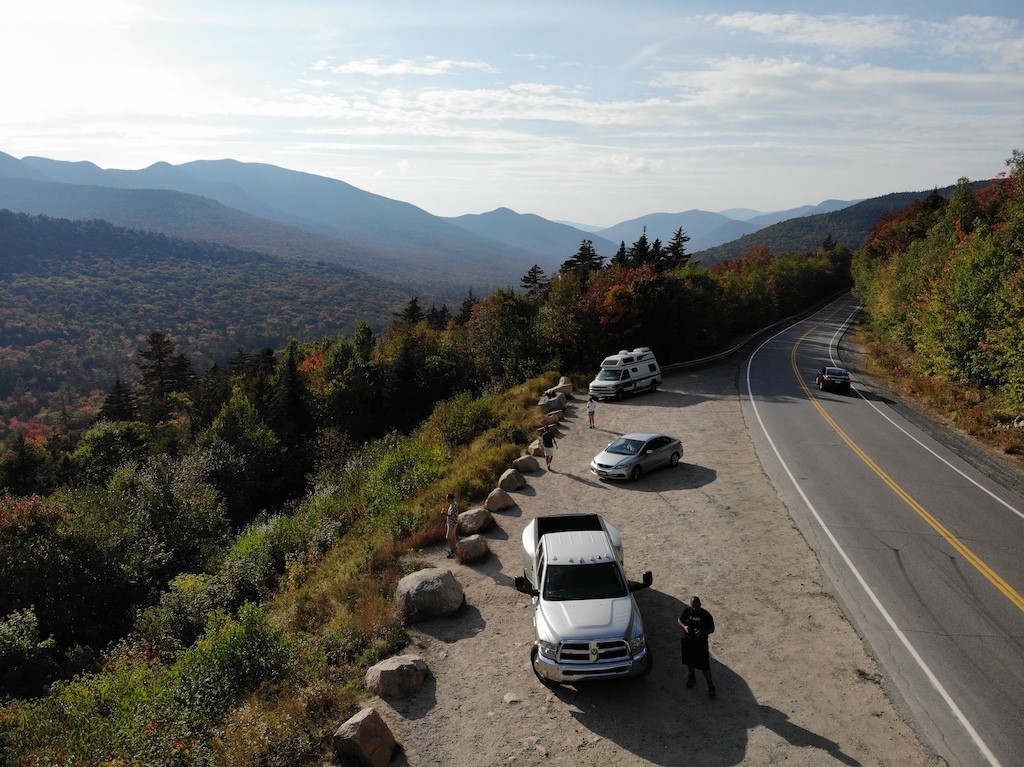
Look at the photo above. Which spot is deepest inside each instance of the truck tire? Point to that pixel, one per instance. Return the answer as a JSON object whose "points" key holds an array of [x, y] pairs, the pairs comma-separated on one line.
{"points": [[654, 385]]}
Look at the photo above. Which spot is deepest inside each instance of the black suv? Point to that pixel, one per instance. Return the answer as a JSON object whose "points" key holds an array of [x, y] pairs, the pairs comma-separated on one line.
{"points": [[833, 378]]}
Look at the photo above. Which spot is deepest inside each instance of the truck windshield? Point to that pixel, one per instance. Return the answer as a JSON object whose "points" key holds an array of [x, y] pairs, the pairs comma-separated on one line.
{"points": [[602, 580], [608, 375]]}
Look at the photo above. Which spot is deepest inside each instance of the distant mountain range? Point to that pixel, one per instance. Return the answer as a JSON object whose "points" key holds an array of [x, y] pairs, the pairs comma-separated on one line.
{"points": [[297, 215]]}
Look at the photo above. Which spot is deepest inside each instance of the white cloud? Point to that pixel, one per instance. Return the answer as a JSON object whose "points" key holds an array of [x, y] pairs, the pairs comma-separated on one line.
{"points": [[430, 67], [841, 32]]}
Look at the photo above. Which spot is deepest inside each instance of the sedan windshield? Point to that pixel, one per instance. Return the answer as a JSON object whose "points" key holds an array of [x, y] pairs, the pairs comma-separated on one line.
{"points": [[623, 446], [597, 581]]}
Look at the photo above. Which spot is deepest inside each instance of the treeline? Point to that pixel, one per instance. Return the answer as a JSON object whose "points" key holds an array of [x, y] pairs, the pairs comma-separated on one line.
{"points": [[943, 288], [135, 554]]}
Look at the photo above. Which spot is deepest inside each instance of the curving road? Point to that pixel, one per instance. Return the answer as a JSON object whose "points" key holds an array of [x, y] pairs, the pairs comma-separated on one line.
{"points": [[925, 552]]}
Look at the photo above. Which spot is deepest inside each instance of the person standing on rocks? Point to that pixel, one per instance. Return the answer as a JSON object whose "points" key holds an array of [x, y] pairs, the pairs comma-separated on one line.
{"points": [[547, 441], [451, 524], [697, 624]]}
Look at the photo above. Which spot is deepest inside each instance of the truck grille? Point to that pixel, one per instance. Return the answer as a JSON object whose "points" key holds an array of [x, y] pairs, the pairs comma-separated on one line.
{"points": [[593, 652]]}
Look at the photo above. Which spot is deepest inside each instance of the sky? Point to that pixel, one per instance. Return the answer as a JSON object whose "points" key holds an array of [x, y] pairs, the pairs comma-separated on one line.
{"points": [[587, 112]]}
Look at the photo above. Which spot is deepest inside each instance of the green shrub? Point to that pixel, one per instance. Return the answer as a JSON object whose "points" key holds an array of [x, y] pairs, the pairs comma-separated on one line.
{"points": [[460, 420], [232, 659], [25, 659]]}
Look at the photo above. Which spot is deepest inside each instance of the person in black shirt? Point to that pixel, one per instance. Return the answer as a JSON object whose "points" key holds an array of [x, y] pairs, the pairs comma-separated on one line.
{"points": [[547, 441], [696, 623]]}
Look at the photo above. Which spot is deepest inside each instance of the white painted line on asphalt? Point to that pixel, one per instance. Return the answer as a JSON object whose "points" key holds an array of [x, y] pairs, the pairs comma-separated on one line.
{"points": [[936, 684]]}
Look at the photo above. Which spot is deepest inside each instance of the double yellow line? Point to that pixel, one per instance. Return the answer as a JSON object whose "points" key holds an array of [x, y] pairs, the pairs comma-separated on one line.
{"points": [[994, 578]]}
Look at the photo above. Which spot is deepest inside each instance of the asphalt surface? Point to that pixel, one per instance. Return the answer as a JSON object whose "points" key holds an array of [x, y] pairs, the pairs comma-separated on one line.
{"points": [[919, 531]]}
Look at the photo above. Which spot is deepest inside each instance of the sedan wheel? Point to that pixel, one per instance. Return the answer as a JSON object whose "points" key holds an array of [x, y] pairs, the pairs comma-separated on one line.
{"points": [[635, 474], [674, 460]]}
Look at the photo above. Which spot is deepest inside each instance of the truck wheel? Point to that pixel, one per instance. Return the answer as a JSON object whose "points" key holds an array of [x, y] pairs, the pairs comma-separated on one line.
{"points": [[619, 395], [654, 386], [533, 664], [636, 473]]}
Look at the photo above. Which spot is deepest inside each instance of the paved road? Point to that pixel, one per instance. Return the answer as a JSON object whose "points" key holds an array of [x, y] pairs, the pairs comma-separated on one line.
{"points": [[924, 550]]}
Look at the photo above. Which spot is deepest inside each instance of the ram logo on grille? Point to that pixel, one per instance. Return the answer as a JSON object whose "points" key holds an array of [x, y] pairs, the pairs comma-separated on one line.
{"points": [[595, 652]]}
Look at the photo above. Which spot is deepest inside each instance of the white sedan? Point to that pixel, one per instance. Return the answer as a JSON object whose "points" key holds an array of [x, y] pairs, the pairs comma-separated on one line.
{"points": [[631, 455]]}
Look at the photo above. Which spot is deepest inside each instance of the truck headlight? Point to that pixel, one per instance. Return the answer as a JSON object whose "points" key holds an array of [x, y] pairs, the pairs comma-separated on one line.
{"points": [[637, 644], [547, 649]]}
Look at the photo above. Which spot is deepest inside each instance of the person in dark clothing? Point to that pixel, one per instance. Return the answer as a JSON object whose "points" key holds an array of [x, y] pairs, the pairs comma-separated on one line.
{"points": [[547, 441], [697, 624]]}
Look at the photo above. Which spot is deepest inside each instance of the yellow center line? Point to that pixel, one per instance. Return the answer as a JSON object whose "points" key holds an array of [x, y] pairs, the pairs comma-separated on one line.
{"points": [[979, 564]]}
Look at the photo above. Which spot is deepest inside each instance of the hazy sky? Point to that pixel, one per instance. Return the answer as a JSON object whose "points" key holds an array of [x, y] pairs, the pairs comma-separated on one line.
{"points": [[591, 112]]}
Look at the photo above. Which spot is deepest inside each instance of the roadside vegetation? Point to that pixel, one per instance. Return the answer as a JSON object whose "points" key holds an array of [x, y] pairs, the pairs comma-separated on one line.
{"points": [[942, 283], [203, 573]]}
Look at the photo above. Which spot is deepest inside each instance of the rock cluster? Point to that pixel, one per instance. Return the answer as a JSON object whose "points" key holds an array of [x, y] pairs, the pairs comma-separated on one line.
{"points": [[434, 592]]}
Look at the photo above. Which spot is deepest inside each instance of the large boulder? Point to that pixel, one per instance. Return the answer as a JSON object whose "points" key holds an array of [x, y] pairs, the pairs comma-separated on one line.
{"points": [[526, 464], [475, 520], [552, 417], [365, 737], [498, 500], [553, 402], [429, 592], [564, 387], [397, 677], [473, 548], [511, 479]]}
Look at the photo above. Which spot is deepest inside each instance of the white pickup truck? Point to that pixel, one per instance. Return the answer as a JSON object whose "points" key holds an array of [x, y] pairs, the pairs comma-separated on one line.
{"points": [[588, 624]]}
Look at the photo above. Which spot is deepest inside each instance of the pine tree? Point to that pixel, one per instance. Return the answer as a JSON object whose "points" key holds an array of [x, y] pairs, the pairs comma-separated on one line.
{"points": [[675, 254], [535, 282], [412, 313], [156, 384], [119, 404]]}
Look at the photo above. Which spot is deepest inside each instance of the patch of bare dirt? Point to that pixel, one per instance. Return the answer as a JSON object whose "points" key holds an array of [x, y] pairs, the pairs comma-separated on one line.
{"points": [[795, 684]]}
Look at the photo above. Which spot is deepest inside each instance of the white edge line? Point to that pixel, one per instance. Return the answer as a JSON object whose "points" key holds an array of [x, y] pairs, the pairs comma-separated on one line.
{"points": [[910, 436], [989, 756]]}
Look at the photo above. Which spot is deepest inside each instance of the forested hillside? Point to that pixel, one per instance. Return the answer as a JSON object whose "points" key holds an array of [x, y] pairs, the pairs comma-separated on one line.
{"points": [[943, 288], [850, 227], [204, 574], [78, 297]]}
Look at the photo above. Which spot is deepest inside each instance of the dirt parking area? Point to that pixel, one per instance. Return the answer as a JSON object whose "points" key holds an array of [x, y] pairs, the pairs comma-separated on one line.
{"points": [[796, 685]]}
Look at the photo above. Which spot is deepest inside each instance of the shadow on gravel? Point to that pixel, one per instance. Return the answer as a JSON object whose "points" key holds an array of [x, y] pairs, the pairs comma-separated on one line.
{"points": [[662, 722]]}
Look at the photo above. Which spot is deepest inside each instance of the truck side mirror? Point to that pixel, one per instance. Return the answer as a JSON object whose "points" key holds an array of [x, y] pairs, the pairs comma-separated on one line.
{"points": [[523, 585], [648, 579]]}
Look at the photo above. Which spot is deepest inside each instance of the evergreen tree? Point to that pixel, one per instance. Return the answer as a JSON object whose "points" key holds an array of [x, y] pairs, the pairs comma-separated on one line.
{"points": [[119, 404], [437, 319], [640, 253], [621, 257], [583, 263], [466, 309], [157, 382], [535, 282], [675, 254], [412, 313]]}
